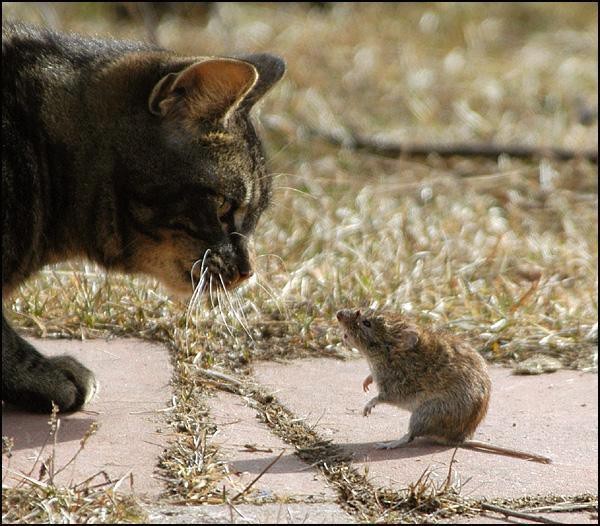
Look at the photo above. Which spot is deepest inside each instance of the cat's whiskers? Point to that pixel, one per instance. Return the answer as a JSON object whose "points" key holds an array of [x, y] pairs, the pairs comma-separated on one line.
{"points": [[302, 192], [276, 299], [273, 175], [200, 289], [194, 302], [203, 269], [210, 293], [238, 299], [282, 150], [276, 256], [235, 233], [234, 309], [219, 306], [201, 261]]}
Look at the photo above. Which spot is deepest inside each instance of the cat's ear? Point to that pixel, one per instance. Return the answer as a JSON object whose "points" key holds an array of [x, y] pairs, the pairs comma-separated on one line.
{"points": [[213, 88], [270, 70]]}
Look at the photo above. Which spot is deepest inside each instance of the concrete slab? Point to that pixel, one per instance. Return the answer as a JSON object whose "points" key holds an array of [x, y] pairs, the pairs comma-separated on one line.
{"points": [[134, 390], [247, 446], [250, 514], [555, 415], [497, 518]]}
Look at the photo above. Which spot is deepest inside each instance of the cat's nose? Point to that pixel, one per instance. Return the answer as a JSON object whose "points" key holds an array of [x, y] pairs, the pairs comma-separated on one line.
{"points": [[244, 269], [246, 273]]}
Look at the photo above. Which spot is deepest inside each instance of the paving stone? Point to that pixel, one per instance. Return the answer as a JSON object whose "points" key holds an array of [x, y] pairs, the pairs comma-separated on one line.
{"points": [[248, 447], [553, 414], [497, 518], [134, 389], [250, 514]]}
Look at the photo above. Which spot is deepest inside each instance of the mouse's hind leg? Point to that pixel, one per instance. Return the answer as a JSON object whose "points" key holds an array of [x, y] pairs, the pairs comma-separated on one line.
{"points": [[433, 418], [406, 439], [436, 418]]}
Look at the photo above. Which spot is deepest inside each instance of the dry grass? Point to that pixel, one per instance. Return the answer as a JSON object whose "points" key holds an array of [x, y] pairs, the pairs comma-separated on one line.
{"points": [[503, 252], [423, 501], [37, 499]]}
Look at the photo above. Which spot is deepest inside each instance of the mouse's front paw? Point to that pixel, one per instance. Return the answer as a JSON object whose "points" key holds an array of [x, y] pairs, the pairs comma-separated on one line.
{"points": [[370, 405], [368, 408], [367, 382]]}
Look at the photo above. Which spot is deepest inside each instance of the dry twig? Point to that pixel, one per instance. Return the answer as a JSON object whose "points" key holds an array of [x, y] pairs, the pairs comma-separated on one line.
{"points": [[519, 514], [358, 142], [259, 476]]}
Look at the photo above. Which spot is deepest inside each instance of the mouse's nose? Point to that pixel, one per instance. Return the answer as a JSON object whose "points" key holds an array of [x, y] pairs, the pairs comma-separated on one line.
{"points": [[339, 315]]}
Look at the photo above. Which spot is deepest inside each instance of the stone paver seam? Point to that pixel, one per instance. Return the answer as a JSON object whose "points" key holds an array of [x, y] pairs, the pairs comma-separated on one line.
{"points": [[333, 462]]}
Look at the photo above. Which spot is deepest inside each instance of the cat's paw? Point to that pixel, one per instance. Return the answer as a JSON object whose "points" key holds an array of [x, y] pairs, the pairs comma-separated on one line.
{"points": [[73, 384]]}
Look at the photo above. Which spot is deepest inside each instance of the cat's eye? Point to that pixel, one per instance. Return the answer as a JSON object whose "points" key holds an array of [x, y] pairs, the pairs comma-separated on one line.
{"points": [[185, 225], [366, 323], [224, 207]]}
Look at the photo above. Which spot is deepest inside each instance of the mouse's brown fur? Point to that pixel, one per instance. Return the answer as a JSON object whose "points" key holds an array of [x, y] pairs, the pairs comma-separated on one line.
{"points": [[440, 378]]}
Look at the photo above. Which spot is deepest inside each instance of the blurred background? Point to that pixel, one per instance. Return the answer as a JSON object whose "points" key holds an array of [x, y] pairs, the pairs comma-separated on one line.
{"points": [[501, 250]]}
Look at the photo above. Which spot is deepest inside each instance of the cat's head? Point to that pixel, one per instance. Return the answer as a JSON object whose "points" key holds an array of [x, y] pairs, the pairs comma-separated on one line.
{"points": [[195, 207]]}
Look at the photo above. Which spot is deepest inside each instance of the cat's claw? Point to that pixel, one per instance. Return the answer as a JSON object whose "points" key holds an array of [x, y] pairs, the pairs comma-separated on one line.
{"points": [[75, 385]]}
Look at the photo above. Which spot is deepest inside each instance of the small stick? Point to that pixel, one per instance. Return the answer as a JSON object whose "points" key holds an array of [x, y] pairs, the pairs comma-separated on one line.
{"points": [[449, 476], [219, 376], [233, 508], [27, 478], [91, 430], [565, 506], [519, 514], [259, 475], [355, 141], [224, 386]]}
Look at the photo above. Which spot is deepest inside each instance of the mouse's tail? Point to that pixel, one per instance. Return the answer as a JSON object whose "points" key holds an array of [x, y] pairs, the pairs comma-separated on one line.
{"points": [[484, 446]]}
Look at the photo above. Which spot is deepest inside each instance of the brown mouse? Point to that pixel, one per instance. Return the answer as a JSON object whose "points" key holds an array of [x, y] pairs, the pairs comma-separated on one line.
{"points": [[441, 379]]}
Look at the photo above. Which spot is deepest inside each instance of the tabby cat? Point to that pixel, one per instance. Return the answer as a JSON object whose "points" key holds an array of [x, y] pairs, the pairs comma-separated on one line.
{"points": [[128, 155]]}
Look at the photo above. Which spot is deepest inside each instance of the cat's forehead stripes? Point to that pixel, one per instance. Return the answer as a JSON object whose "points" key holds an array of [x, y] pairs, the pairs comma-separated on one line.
{"points": [[248, 191], [247, 204]]}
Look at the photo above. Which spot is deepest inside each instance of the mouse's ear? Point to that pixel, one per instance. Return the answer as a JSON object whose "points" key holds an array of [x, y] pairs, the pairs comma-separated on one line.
{"points": [[408, 339], [357, 314]]}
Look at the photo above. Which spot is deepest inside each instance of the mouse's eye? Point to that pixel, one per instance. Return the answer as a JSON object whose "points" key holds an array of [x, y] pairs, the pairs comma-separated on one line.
{"points": [[366, 323]]}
